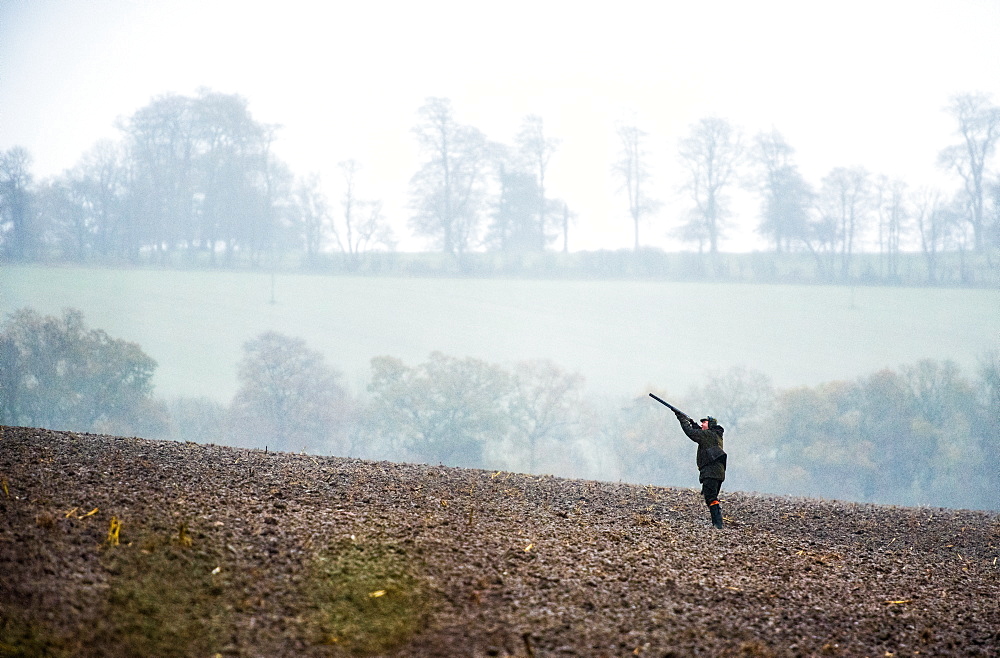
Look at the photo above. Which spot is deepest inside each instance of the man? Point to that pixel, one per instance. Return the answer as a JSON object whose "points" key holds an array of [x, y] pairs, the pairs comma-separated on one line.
{"points": [[711, 459]]}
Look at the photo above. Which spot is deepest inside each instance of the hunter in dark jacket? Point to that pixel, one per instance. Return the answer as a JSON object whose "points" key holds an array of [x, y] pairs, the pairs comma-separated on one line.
{"points": [[711, 460]]}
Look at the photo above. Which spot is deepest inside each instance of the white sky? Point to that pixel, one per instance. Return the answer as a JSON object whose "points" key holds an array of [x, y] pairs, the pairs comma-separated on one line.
{"points": [[851, 82]]}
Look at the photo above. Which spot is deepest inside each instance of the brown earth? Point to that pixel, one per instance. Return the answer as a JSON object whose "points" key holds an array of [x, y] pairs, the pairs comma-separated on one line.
{"points": [[224, 544]]}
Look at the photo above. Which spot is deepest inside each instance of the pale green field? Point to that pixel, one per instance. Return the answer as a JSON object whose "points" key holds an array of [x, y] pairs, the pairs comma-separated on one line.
{"points": [[623, 336]]}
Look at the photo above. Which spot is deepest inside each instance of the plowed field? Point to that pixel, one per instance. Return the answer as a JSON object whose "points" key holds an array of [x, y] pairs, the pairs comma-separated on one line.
{"points": [[123, 546]]}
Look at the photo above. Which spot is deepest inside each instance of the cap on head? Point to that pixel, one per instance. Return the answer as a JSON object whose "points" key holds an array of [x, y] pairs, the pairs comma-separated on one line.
{"points": [[711, 421]]}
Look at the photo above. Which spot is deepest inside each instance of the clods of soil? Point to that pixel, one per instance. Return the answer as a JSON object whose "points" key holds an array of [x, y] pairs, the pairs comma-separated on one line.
{"points": [[124, 546]]}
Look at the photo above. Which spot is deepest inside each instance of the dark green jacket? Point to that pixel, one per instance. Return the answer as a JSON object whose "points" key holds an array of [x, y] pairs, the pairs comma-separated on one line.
{"points": [[711, 457]]}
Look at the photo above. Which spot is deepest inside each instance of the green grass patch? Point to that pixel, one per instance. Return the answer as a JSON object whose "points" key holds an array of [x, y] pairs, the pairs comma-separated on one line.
{"points": [[368, 597], [164, 599]]}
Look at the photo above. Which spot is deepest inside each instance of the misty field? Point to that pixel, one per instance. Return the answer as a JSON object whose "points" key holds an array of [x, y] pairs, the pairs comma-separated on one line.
{"points": [[623, 336]]}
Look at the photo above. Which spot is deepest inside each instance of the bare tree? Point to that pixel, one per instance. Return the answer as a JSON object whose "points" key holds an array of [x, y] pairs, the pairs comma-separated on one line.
{"points": [[545, 403], [514, 229], [979, 127], [711, 153], [929, 215], [942, 227], [17, 234], [890, 205], [361, 226], [785, 195], [269, 225], [846, 203], [312, 213], [103, 175], [536, 149], [82, 209], [69, 224], [634, 171], [736, 395], [448, 191]]}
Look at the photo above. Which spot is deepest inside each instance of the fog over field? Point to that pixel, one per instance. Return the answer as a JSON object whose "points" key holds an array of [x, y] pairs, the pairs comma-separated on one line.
{"points": [[623, 336], [846, 84]]}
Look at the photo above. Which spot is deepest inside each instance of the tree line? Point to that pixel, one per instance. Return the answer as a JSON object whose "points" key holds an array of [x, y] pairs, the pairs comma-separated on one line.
{"points": [[923, 434], [194, 179]]}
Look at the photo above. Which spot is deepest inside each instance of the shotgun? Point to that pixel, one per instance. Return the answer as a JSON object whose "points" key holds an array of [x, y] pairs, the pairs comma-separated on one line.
{"points": [[669, 406]]}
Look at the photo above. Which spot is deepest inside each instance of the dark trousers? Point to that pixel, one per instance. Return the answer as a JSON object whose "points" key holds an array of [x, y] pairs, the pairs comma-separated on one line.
{"points": [[710, 488]]}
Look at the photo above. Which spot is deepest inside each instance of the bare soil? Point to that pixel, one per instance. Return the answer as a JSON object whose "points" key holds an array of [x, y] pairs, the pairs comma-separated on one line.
{"points": [[216, 552]]}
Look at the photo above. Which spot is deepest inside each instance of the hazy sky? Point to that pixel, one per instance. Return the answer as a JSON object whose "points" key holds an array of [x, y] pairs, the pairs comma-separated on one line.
{"points": [[847, 83]]}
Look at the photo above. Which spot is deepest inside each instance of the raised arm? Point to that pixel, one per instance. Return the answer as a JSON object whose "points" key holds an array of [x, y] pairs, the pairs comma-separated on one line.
{"points": [[687, 424]]}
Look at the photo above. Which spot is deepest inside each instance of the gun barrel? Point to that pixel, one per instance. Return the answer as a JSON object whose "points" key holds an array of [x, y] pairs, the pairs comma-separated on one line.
{"points": [[667, 405]]}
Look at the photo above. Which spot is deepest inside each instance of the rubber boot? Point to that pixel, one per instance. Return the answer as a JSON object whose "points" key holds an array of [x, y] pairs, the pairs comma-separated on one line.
{"points": [[716, 514]]}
